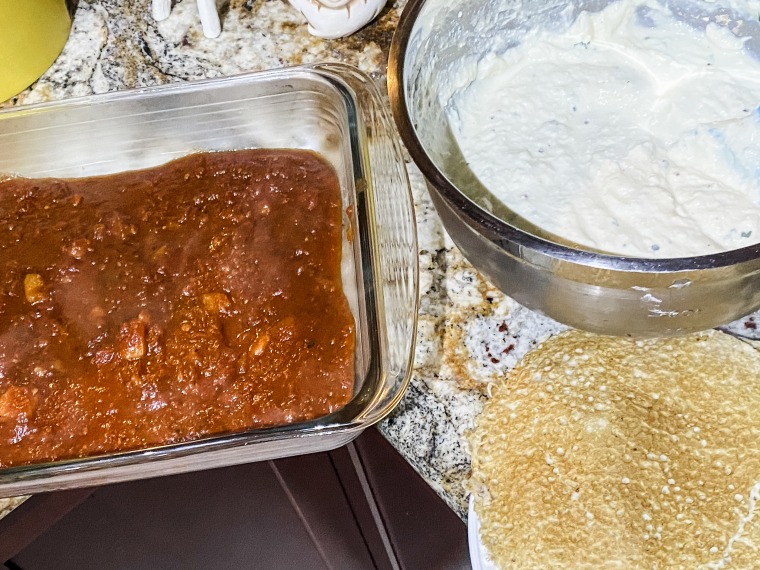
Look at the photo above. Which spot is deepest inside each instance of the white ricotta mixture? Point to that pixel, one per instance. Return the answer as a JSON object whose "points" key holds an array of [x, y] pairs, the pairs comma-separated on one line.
{"points": [[630, 132]]}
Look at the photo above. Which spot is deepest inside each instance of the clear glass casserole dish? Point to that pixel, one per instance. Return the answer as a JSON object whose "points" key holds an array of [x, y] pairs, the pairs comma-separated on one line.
{"points": [[332, 109]]}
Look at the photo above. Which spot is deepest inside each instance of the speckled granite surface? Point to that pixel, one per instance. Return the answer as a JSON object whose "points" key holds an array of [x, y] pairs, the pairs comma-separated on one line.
{"points": [[117, 45], [7, 505], [469, 333]]}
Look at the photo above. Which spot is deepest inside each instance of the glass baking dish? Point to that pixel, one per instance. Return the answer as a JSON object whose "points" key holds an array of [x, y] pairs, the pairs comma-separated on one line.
{"points": [[332, 109]]}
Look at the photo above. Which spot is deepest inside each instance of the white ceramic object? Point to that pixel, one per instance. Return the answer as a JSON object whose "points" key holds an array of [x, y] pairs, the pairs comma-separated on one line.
{"points": [[337, 18], [479, 558], [160, 9], [212, 27]]}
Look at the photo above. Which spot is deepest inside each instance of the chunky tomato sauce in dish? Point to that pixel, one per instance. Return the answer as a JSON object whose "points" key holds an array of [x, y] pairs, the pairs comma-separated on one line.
{"points": [[157, 306]]}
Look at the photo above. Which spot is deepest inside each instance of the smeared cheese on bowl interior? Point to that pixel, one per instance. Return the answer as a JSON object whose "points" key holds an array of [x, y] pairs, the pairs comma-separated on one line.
{"points": [[604, 452], [629, 132]]}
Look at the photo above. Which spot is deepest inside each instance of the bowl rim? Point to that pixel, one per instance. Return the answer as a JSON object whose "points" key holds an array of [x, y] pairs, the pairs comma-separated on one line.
{"points": [[499, 231]]}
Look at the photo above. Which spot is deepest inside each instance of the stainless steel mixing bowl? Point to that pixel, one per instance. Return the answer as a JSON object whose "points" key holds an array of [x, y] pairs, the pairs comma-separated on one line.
{"points": [[586, 289]]}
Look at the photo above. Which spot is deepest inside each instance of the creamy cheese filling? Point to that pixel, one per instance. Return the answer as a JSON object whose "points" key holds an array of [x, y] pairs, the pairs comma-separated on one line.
{"points": [[630, 132]]}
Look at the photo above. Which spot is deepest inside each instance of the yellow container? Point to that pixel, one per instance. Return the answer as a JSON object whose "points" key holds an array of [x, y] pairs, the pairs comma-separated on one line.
{"points": [[32, 34]]}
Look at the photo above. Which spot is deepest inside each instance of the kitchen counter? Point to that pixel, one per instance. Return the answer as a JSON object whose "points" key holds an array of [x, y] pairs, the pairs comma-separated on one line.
{"points": [[469, 334]]}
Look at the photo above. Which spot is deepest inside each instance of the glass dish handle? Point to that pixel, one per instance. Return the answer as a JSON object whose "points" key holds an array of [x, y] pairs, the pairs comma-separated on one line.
{"points": [[395, 239]]}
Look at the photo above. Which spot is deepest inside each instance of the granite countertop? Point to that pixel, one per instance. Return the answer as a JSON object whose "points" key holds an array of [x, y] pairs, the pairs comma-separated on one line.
{"points": [[469, 333]]}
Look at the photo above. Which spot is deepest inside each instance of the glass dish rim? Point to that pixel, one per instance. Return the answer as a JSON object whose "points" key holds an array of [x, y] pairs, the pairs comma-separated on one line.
{"points": [[366, 414]]}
